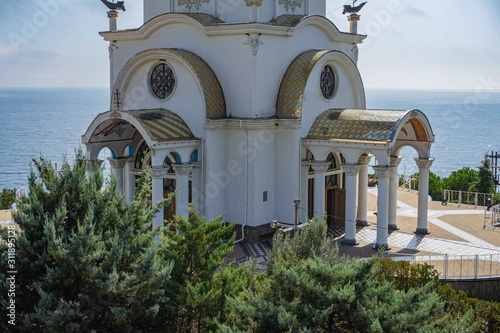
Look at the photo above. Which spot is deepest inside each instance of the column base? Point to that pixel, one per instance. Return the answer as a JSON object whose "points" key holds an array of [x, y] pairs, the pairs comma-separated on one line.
{"points": [[393, 227], [381, 246], [351, 242], [362, 223], [421, 231]]}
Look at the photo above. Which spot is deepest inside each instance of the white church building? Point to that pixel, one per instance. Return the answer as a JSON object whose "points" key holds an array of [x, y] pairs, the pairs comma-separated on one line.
{"points": [[254, 109]]}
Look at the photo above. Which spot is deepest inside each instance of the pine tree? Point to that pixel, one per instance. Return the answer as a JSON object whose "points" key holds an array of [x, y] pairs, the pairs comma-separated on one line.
{"points": [[201, 282], [85, 259], [308, 290], [486, 182]]}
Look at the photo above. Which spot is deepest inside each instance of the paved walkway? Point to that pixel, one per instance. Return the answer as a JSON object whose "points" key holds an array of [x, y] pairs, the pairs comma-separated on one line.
{"points": [[473, 246]]}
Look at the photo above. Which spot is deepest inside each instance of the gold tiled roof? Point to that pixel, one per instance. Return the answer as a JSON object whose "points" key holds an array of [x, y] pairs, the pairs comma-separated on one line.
{"points": [[356, 124], [162, 125], [287, 20], [214, 96], [291, 93], [205, 19]]}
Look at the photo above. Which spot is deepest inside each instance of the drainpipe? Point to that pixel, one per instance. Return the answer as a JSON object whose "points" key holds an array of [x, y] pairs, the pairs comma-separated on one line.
{"points": [[246, 187]]}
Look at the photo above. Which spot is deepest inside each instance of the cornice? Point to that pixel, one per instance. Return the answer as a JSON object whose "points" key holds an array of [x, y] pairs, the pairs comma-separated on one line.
{"points": [[225, 29], [255, 124]]}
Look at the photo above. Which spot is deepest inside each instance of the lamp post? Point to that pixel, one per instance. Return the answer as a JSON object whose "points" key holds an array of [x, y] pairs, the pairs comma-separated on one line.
{"points": [[296, 203]]}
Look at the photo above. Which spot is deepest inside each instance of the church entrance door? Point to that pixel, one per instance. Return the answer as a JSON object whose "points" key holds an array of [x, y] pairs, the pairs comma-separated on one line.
{"points": [[335, 206]]}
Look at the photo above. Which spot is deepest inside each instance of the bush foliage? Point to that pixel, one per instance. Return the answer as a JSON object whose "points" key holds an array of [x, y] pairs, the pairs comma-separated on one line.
{"points": [[88, 262]]}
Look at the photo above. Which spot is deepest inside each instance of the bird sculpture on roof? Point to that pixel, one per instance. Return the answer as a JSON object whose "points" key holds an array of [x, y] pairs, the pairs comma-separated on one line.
{"points": [[353, 9], [120, 5]]}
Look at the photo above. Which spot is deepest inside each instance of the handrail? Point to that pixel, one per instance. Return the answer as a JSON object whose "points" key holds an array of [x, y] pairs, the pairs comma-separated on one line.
{"points": [[478, 266], [467, 198]]}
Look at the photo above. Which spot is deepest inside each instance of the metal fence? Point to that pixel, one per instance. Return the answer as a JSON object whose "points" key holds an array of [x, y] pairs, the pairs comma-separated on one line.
{"points": [[458, 266], [468, 198]]}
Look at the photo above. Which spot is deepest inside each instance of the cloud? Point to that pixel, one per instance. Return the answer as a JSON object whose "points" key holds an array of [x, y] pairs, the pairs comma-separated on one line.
{"points": [[6, 50], [414, 11]]}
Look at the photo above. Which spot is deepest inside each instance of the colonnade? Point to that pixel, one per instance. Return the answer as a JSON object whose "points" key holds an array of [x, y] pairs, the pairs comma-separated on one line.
{"points": [[356, 186], [123, 170]]}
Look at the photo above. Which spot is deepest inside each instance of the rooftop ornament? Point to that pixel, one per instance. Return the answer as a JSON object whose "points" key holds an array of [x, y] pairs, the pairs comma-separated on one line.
{"points": [[353, 9], [120, 5]]}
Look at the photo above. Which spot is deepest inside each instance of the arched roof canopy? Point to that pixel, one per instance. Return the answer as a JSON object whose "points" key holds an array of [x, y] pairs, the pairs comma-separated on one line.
{"points": [[290, 99], [388, 129], [116, 128]]}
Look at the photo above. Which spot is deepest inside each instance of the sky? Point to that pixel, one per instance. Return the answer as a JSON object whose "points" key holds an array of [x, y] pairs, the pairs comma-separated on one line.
{"points": [[425, 44]]}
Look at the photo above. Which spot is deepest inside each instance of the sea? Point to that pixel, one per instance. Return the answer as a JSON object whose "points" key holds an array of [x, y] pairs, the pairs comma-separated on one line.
{"points": [[49, 122]]}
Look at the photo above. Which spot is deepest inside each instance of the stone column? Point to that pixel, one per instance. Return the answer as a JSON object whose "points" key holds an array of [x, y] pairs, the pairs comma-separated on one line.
{"points": [[182, 172], [113, 20], [351, 186], [129, 180], [319, 187], [157, 175], [393, 192], [197, 187], [254, 9], [304, 188], [92, 166], [362, 217], [353, 23], [117, 165], [383, 173], [424, 165]]}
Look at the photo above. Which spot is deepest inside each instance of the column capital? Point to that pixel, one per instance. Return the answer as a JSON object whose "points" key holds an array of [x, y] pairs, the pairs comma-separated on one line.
{"points": [[395, 160], [92, 165], [182, 169], [424, 163], [383, 171], [353, 17], [351, 169], [159, 172], [257, 3], [117, 163], [364, 159], [320, 166]]}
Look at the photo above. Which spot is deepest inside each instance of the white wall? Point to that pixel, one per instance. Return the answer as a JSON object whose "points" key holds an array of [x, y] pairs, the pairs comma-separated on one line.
{"points": [[287, 168], [214, 165], [250, 83], [233, 10]]}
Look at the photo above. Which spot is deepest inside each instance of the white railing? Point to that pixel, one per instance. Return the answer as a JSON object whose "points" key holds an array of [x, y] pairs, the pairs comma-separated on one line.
{"points": [[492, 217], [458, 266], [467, 198], [22, 192]]}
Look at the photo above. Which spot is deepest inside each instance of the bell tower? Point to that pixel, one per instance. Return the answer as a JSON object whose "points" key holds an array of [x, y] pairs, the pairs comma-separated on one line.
{"points": [[236, 11]]}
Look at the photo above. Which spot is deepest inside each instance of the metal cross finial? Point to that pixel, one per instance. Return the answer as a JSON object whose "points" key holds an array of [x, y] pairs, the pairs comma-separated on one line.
{"points": [[116, 100]]}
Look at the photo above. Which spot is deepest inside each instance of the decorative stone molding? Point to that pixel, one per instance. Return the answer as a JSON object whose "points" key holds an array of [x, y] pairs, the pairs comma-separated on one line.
{"points": [[351, 169], [257, 3], [92, 165], [364, 159], [319, 167], [190, 3], [383, 171], [254, 41], [159, 172], [117, 163], [291, 4], [424, 163], [182, 169], [395, 160]]}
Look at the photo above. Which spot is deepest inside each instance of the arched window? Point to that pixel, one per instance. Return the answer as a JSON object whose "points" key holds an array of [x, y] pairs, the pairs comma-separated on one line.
{"points": [[141, 154], [331, 179]]}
